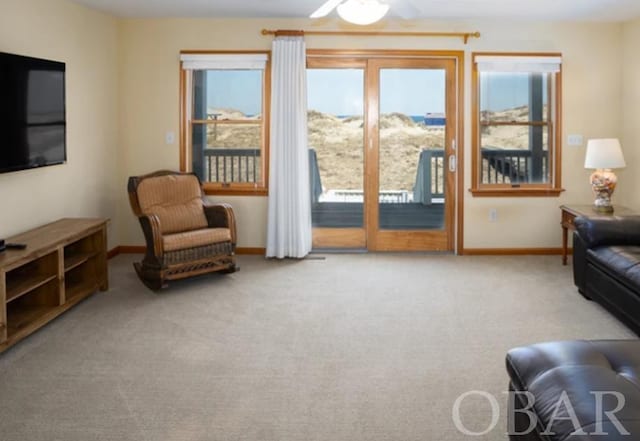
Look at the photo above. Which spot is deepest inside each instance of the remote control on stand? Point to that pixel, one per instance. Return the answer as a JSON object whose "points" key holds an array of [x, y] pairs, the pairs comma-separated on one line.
{"points": [[16, 246]]}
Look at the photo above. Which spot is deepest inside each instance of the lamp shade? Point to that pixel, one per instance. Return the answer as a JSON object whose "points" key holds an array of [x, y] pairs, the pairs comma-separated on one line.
{"points": [[362, 12], [604, 153]]}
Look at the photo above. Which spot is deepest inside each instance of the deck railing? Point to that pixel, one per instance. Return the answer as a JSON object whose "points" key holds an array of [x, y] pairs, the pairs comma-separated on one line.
{"points": [[498, 166], [513, 166], [357, 196], [243, 165], [430, 177], [232, 165]]}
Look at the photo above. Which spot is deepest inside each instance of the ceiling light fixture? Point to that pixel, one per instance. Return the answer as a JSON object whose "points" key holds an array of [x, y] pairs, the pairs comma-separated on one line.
{"points": [[362, 12]]}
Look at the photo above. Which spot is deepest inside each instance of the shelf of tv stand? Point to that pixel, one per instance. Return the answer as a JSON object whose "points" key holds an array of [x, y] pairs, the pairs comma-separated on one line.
{"points": [[77, 260], [26, 285], [25, 317], [80, 290], [64, 262]]}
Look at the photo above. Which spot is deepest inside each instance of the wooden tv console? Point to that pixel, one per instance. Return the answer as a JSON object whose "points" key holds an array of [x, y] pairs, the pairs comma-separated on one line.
{"points": [[64, 262]]}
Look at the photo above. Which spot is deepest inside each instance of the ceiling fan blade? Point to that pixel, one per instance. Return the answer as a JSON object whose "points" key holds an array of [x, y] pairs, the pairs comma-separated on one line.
{"points": [[325, 9], [404, 8]]}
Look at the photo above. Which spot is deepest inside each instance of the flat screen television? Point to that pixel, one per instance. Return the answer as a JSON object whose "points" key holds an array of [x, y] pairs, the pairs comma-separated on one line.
{"points": [[32, 113]]}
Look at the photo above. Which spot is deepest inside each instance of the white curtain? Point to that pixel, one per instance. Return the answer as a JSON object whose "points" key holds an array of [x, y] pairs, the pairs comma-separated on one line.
{"points": [[289, 221]]}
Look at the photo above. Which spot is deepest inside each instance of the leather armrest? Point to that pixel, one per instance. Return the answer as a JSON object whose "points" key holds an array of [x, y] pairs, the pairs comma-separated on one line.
{"points": [[595, 232], [153, 236], [579, 262], [220, 215]]}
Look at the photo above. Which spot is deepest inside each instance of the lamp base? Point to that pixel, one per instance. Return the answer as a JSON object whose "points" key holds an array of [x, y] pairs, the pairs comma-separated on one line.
{"points": [[603, 183]]}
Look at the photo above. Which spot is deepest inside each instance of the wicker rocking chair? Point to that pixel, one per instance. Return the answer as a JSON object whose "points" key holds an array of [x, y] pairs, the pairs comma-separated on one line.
{"points": [[185, 235]]}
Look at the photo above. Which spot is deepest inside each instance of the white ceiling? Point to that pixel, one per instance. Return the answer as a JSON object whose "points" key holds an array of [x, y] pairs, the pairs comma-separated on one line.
{"points": [[574, 10]]}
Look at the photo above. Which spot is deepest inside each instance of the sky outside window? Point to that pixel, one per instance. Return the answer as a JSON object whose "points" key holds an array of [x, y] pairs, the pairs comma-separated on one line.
{"points": [[409, 91], [503, 91], [336, 91], [340, 92], [235, 90]]}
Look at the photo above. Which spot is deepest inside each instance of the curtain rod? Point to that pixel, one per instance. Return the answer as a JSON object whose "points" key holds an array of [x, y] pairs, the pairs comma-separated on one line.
{"points": [[291, 32]]}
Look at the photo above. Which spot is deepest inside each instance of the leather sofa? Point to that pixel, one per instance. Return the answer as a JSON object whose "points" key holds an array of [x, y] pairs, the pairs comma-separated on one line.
{"points": [[589, 377], [606, 264]]}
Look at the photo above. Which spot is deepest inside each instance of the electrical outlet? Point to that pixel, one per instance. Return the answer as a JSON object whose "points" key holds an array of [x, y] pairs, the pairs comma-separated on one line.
{"points": [[493, 215], [575, 140], [170, 138]]}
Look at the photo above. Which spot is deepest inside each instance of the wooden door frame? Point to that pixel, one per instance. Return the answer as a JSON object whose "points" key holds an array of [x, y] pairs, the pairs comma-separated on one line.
{"points": [[456, 238]]}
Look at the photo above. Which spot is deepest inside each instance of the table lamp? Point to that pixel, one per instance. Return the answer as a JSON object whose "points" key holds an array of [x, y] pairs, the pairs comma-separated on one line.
{"points": [[603, 155]]}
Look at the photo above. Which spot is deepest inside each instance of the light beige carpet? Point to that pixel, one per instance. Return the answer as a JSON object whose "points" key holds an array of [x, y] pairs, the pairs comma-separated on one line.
{"points": [[355, 347]]}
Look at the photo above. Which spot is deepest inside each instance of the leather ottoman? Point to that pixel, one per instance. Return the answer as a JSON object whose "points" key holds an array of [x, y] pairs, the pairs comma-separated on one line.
{"points": [[575, 390]]}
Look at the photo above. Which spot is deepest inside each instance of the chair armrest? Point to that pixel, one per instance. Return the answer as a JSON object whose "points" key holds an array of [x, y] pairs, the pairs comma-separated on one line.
{"points": [[579, 262], [221, 215], [597, 232], [153, 236]]}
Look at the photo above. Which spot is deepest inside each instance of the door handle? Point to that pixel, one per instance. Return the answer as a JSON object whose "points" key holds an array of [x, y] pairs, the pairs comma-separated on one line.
{"points": [[452, 163]]}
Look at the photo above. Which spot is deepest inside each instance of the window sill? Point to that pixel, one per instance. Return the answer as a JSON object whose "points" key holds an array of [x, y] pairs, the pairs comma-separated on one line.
{"points": [[516, 192]]}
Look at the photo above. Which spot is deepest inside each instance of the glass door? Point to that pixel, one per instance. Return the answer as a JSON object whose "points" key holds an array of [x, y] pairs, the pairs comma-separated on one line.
{"points": [[336, 132], [381, 152], [412, 120]]}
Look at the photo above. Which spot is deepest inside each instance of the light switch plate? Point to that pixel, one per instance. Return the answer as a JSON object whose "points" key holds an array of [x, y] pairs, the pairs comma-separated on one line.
{"points": [[575, 140], [170, 137]]}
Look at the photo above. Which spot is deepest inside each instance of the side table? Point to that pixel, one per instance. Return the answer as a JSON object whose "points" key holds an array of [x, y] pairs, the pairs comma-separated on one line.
{"points": [[570, 212]]}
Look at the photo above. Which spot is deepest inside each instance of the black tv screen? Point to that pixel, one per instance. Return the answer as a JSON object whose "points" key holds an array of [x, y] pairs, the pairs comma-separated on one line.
{"points": [[32, 112]]}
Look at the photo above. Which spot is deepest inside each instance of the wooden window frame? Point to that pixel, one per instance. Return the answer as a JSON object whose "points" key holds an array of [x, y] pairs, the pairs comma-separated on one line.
{"points": [[551, 189], [186, 128]]}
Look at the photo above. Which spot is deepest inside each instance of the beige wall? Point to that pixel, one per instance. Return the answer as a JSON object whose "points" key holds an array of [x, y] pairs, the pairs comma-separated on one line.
{"points": [[592, 107], [629, 182], [86, 41]]}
